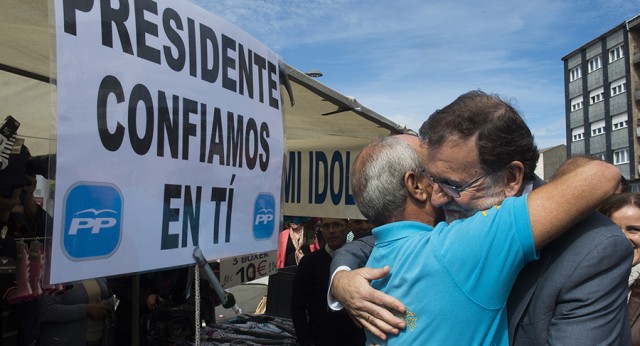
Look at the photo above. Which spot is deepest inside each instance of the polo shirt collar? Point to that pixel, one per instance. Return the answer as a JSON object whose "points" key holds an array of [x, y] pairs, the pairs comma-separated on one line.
{"points": [[399, 229]]}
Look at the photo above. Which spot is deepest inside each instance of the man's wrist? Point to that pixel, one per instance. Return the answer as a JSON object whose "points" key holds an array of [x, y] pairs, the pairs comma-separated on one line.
{"points": [[334, 304]]}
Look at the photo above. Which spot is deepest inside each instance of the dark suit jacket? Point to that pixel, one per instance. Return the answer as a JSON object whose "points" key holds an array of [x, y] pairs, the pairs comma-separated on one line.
{"points": [[575, 294], [314, 323]]}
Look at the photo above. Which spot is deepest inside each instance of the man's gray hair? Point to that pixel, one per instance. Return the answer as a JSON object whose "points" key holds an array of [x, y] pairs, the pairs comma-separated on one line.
{"points": [[378, 178]]}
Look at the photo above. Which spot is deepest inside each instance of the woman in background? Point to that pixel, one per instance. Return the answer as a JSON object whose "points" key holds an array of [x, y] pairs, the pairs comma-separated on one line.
{"points": [[624, 210], [292, 244]]}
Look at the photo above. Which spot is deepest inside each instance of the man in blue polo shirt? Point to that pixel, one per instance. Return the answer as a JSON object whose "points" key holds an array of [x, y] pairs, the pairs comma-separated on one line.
{"points": [[455, 292], [480, 152]]}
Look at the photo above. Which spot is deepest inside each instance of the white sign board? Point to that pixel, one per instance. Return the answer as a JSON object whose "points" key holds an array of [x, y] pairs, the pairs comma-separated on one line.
{"points": [[170, 135], [317, 183], [240, 269]]}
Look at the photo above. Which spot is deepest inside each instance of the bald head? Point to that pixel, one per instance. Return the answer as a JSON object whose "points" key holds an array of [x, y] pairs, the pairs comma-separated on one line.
{"points": [[379, 175], [413, 141]]}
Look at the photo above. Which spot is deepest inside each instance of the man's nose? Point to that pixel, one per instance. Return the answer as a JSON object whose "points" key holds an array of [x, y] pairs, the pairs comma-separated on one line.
{"points": [[438, 197]]}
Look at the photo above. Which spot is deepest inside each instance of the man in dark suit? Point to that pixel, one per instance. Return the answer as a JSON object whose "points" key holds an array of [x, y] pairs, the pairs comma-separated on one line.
{"points": [[574, 295], [313, 322]]}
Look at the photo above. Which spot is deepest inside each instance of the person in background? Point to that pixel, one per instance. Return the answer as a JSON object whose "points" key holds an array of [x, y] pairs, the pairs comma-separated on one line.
{"points": [[292, 244], [20, 217], [313, 322], [77, 317], [358, 228], [624, 210]]}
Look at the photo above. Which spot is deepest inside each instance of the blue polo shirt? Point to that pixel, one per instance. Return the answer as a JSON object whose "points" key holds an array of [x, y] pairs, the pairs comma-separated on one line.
{"points": [[454, 279]]}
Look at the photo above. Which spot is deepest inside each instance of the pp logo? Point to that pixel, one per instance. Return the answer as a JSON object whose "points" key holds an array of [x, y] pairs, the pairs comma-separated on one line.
{"points": [[264, 216], [92, 221]]}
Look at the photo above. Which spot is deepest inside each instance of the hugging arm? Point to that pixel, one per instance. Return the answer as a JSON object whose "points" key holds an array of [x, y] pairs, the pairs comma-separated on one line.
{"points": [[578, 188], [350, 286]]}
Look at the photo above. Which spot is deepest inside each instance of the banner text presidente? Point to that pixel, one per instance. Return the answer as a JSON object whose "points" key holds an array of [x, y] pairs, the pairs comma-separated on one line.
{"points": [[232, 139]]}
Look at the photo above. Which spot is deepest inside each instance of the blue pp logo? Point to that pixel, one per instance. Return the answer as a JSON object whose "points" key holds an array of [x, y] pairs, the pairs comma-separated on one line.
{"points": [[264, 216], [92, 221]]}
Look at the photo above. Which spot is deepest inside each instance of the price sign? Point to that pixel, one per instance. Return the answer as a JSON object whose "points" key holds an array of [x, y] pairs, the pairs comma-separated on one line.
{"points": [[237, 270]]}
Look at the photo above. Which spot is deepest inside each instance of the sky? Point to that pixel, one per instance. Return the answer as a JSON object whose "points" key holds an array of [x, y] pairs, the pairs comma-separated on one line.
{"points": [[405, 59]]}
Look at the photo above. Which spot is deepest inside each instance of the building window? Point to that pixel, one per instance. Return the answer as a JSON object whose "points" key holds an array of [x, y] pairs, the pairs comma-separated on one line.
{"points": [[576, 103], [600, 156], [619, 121], [618, 86], [596, 95], [575, 73], [620, 156], [616, 53], [595, 64], [577, 133], [597, 128]]}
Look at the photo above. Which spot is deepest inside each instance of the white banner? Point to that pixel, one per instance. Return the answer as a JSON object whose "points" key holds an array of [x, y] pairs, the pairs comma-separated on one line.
{"points": [[316, 184], [170, 135]]}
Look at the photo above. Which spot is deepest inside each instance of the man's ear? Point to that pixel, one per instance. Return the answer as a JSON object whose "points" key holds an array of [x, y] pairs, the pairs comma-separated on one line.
{"points": [[417, 186], [514, 177]]}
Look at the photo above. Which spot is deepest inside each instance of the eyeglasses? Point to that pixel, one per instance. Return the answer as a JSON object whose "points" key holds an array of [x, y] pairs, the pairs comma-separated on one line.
{"points": [[454, 191]]}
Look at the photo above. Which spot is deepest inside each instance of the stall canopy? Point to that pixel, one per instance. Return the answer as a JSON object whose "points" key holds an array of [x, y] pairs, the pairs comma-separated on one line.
{"points": [[319, 117]]}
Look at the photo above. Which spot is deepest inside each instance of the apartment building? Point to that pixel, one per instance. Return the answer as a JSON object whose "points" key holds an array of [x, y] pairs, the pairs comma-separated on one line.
{"points": [[602, 98], [550, 160]]}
